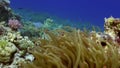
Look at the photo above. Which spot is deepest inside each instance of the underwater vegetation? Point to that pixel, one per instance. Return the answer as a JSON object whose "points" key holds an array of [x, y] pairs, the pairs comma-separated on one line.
{"points": [[28, 44], [74, 50]]}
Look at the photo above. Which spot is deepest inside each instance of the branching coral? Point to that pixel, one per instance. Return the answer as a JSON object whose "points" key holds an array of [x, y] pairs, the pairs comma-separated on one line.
{"points": [[73, 50]]}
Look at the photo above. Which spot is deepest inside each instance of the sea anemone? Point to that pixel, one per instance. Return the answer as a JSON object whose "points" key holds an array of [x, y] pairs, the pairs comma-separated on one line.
{"points": [[73, 50]]}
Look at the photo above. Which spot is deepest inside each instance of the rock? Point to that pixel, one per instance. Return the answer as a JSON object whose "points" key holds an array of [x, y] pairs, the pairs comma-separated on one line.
{"points": [[29, 57], [5, 10]]}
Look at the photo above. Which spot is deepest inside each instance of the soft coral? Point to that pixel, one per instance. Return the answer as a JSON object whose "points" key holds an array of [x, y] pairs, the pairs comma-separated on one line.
{"points": [[14, 24]]}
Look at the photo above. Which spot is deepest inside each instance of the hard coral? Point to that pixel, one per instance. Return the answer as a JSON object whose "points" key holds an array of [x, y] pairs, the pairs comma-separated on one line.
{"points": [[6, 51], [14, 24], [13, 49], [24, 43], [112, 28]]}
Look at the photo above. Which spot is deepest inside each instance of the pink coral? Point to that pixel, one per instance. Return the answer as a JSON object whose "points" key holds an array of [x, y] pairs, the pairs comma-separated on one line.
{"points": [[14, 24]]}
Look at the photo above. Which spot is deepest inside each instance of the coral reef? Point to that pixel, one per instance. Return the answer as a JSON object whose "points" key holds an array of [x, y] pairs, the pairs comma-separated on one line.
{"points": [[29, 28], [56, 46], [14, 48], [112, 28], [73, 48]]}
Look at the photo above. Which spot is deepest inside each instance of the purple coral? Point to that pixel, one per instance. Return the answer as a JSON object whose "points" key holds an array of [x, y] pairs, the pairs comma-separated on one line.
{"points": [[14, 24]]}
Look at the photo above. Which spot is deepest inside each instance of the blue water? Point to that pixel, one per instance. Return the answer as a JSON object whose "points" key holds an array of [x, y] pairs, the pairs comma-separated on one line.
{"points": [[92, 11]]}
